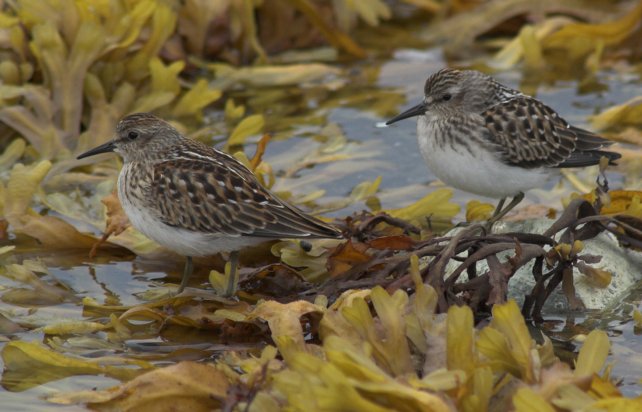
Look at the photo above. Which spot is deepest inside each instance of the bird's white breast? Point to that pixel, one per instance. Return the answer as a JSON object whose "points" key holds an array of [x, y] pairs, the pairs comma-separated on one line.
{"points": [[477, 170], [182, 241]]}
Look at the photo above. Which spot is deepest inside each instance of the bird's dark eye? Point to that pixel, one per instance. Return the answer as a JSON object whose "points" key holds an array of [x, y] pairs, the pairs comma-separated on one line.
{"points": [[132, 135], [446, 97]]}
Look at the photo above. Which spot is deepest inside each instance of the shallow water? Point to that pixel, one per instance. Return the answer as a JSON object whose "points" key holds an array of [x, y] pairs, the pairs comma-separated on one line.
{"points": [[626, 340], [117, 279]]}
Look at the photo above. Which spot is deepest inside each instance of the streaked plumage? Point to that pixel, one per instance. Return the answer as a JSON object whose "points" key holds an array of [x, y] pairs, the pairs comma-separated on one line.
{"points": [[194, 199], [485, 138]]}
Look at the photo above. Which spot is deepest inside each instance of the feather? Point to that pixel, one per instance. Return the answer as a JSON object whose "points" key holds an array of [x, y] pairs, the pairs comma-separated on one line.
{"points": [[529, 134], [205, 190]]}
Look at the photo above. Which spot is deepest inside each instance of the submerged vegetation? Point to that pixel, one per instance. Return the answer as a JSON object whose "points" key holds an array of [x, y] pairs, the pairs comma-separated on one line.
{"points": [[372, 323]]}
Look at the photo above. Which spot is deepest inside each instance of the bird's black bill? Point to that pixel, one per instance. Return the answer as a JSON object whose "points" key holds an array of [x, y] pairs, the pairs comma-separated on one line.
{"points": [[103, 148], [418, 110]]}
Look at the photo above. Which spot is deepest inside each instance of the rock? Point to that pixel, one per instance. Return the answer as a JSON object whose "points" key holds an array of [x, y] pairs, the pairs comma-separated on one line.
{"points": [[624, 264]]}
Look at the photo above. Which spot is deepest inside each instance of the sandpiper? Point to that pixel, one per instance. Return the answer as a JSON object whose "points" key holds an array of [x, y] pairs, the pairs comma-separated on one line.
{"points": [[196, 200], [482, 137]]}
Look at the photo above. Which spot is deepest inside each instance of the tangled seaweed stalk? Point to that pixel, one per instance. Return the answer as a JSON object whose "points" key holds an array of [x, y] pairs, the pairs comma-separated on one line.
{"points": [[554, 255]]}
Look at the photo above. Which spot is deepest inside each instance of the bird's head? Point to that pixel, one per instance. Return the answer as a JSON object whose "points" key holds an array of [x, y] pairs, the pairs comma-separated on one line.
{"points": [[140, 136], [451, 91]]}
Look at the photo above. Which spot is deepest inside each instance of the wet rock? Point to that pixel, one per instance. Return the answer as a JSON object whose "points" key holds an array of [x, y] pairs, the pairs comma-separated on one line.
{"points": [[624, 264]]}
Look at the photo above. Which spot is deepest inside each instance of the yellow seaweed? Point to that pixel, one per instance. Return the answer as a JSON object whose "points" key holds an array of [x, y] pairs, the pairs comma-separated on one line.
{"points": [[356, 365], [579, 39], [627, 113], [284, 320], [271, 75], [435, 206], [507, 343], [477, 211], [249, 126], [377, 350], [593, 353], [29, 363], [460, 353], [23, 183], [388, 308], [526, 400], [185, 386], [194, 19]]}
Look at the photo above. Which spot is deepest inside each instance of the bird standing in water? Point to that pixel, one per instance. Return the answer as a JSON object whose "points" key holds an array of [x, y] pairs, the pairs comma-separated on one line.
{"points": [[482, 137], [196, 200]]}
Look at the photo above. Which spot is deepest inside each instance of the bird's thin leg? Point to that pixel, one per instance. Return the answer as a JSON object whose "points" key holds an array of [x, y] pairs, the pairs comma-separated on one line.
{"points": [[187, 272], [232, 279], [498, 215], [498, 209]]}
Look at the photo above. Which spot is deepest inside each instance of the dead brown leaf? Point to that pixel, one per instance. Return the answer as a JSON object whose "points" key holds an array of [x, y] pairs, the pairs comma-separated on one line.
{"points": [[346, 256], [399, 242], [53, 232], [4, 225], [260, 150], [117, 221]]}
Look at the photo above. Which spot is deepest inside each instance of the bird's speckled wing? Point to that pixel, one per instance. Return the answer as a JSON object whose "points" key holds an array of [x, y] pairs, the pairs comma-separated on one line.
{"points": [[530, 134], [208, 191]]}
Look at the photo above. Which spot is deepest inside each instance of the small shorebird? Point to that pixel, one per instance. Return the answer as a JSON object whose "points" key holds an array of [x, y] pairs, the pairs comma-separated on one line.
{"points": [[196, 200], [482, 137]]}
